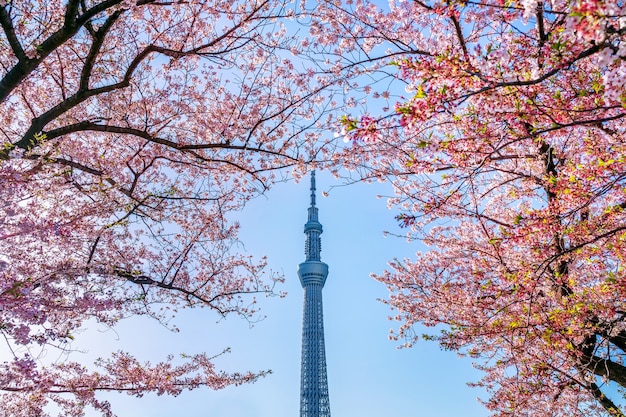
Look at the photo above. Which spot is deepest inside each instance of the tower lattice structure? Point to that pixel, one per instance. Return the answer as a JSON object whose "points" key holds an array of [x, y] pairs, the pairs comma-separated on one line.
{"points": [[314, 401]]}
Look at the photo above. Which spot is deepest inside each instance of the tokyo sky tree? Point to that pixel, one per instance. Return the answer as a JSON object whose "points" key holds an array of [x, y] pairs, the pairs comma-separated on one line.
{"points": [[314, 400]]}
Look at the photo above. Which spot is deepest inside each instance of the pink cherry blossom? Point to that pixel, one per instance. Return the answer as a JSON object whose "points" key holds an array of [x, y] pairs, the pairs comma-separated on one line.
{"points": [[507, 158], [131, 130]]}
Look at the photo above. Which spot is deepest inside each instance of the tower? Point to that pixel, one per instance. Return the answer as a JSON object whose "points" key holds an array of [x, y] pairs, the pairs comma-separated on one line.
{"points": [[314, 400]]}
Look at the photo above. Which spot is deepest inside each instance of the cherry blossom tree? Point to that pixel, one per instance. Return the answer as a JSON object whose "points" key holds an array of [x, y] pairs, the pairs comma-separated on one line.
{"points": [[507, 155], [130, 132]]}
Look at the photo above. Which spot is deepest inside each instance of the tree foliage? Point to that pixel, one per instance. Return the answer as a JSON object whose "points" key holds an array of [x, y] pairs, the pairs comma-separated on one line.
{"points": [[508, 162], [130, 130]]}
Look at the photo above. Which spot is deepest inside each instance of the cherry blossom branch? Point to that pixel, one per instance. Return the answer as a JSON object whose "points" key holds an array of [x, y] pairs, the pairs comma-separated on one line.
{"points": [[192, 294], [9, 32], [71, 25], [99, 37], [607, 404], [524, 83], [459, 34]]}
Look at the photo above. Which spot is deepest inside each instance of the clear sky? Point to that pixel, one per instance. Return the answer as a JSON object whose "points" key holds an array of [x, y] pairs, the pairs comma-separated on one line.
{"points": [[368, 375]]}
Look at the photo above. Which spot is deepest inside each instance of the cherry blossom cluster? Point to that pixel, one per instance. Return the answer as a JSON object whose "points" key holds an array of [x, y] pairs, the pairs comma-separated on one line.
{"points": [[131, 133], [506, 149]]}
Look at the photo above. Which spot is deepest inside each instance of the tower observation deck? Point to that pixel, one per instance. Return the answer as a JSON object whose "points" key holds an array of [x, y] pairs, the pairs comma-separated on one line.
{"points": [[314, 400]]}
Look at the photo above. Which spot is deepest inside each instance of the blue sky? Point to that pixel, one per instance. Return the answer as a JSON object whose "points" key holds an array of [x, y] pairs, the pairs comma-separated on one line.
{"points": [[368, 375]]}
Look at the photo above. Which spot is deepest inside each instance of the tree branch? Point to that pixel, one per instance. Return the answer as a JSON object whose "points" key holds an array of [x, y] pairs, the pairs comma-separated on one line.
{"points": [[70, 27], [98, 41], [605, 401], [9, 32], [459, 34]]}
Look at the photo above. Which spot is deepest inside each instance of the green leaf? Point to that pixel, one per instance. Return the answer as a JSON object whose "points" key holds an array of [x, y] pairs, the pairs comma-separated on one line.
{"points": [[420, 92]]}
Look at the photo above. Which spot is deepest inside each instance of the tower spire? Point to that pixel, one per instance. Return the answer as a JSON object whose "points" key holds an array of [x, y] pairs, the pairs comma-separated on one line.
{"points": [[313, 229], [312, 188], [314, 400]]}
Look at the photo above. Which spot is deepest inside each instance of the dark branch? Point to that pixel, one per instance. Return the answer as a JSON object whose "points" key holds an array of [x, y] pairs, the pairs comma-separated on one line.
{"points": [[9, 31], [98, 41]]}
